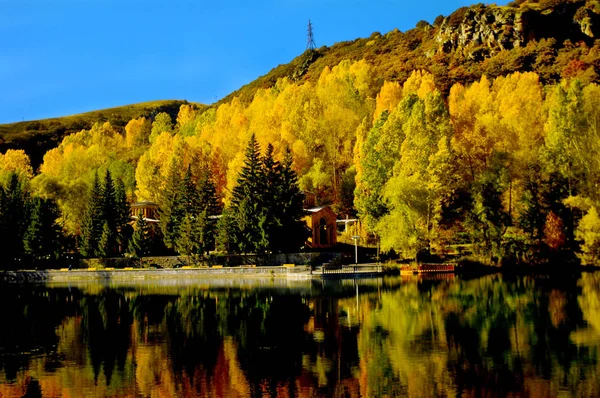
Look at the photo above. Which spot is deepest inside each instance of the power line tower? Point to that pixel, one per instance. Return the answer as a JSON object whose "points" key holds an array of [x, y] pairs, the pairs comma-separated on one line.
{"points": [[310, 42]]}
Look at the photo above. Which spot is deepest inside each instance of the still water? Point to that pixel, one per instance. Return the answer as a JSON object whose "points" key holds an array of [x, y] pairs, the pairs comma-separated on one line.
{"points": [[489, 336]]}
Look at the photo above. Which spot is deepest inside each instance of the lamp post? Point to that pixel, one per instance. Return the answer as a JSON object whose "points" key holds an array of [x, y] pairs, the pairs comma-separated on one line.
{"points": [[378, 241], [355, 237]]}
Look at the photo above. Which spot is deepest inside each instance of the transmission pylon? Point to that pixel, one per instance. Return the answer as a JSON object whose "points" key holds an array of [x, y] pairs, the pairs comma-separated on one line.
{"points": [[310, 42]]}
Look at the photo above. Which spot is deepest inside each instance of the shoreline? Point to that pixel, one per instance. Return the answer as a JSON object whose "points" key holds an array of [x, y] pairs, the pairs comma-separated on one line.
{"points": [[287, 272], [127, 274]]}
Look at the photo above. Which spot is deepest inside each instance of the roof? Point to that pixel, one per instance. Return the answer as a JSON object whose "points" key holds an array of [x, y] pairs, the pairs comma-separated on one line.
{"points": [[346, 220], [144, 203], [315, 210], [150, 220]]}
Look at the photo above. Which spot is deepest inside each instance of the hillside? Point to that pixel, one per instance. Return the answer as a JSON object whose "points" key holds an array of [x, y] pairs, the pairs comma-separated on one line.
{"points": [[38, 136], [554, 38]]}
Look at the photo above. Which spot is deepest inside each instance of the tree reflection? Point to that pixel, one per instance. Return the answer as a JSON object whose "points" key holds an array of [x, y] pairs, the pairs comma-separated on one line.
{"points": [[490, 336], [30, 317], [106, 331]]}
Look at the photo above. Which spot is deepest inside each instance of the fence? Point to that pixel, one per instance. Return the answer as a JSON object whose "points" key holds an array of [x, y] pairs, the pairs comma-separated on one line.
{"points": [[351, 269]]}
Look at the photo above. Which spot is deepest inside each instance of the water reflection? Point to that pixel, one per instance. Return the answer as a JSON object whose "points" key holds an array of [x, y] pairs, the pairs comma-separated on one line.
{"points": [[492, 336]]}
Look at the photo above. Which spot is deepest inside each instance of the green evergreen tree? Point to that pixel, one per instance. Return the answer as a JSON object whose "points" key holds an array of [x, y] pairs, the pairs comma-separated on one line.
{"points": [[109, 216], [291, 232], [13, 219], [43, 234], [247, 200], [123, 217], [171, 213], [226, 231], [196, 201], [188, 195], [271, 189], [188, 243], [140, 244], [106, 243], [92, 225], [209, 208], [188, 206]]}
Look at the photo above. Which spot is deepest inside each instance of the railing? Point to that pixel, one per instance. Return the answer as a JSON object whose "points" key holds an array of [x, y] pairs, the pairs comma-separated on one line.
{"points": [[431, 268], [351, 269]]}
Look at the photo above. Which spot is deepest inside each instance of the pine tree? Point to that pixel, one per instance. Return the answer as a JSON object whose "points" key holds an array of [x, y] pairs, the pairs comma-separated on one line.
{"points": [[209, 207], [170, 211], [227, 230], [42, 237], [189, 195], [109, 217], [91, 230], [140, 243], [106, 243], [270, 217], [247, 200], [292, 231], [123, 217], [14, 219], [188, 242]]}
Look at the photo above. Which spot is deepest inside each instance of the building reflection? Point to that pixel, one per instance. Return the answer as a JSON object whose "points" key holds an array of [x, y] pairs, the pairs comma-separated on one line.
{"points": [[483, 337]]}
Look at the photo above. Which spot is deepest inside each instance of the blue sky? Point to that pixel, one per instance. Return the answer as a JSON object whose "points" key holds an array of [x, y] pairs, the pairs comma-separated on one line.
{"points": [[60, 57]]}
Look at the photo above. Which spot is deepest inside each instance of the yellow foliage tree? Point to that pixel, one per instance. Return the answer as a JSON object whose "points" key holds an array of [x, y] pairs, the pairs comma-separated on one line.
{"points": [[15, 161], [588, 232], [420, 83], [68, 169], [471, 110], [137, 133], [388, 98]]}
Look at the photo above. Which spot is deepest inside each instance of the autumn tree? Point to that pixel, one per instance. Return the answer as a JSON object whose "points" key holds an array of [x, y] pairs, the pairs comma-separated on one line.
{"points": [[69, 169], [409, 194], [162, 124], [137, 133], [588, 232], [15, 161], [554, 235], [374, 170]]}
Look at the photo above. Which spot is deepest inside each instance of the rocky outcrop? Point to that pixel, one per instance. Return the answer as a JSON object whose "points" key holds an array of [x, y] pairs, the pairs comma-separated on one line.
{"points": [[480, 31]]}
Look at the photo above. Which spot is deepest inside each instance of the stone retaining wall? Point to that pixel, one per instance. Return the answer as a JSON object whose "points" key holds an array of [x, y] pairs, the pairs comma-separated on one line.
{"points": [[133, 274]]}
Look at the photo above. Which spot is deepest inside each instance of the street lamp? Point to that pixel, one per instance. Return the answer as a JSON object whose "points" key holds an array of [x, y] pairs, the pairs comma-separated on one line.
{"points": [[355, 237]]}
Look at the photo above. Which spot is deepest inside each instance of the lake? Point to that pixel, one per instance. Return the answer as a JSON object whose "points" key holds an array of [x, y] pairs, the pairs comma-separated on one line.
{"points": [[444, 336]]}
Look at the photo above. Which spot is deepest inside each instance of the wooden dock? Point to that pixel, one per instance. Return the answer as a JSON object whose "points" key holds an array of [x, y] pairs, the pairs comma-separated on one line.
{"points": [[349, 271], [429, 268]]}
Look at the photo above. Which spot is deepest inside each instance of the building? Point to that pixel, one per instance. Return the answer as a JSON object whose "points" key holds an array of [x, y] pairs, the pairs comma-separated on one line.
{"points": [[148, 210], [322, 223]]}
